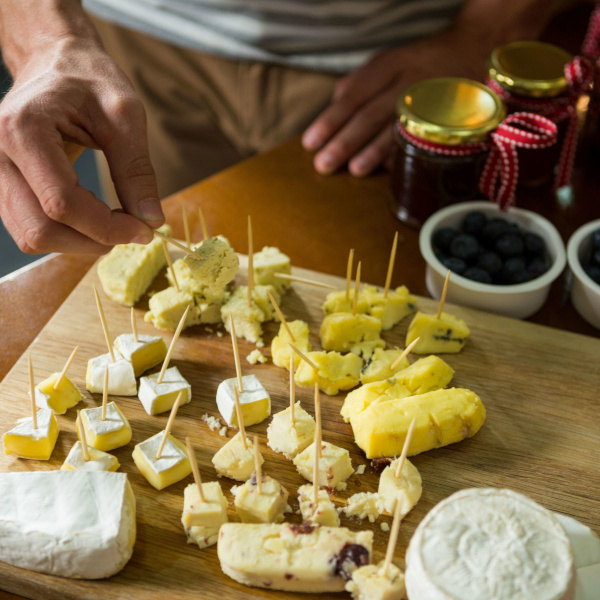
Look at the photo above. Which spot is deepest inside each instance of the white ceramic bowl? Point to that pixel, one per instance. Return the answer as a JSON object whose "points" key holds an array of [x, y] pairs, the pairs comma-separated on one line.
{"points": [[585, 293], [520, 300]]}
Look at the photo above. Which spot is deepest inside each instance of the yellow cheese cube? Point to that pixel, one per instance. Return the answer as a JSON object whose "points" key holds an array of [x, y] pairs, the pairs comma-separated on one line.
{"points": [[368, 583], [60, 400], [127, 270], [280, 346], [99, 461], [211, 513], [335, 465], [447, 334], [406, 488], [378, 367], [336, 371], [172, 466], [391, 310], [266, 507], [287, 437], [216, 263], [26, 442], [345, 332], [443, 417], [323, 513], [266, 263], [144, 354], [235, 461], [167, 308], [337, 302], [109, 434]]}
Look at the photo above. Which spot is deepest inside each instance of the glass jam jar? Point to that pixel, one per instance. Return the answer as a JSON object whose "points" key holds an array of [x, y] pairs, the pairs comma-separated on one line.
{"points": [[530, 76], [457, 117]]}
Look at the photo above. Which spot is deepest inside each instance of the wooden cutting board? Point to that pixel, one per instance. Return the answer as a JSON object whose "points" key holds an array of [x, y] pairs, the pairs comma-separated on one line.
{"points": [[540, 386]]}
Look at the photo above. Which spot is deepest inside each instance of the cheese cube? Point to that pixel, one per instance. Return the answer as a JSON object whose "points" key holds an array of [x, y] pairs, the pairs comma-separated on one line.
{"points": [[345, 332], [234, 461], [211, 513], [127, 270], [172, 466], [335, 465], [406, 488], [202, 536], [255, 401], [378, 367], [267, 262], [324, 513], [280, 346], [287, 438], [368, 583], [447, 334], [266, 507], [336, 302], [443, 417], [217, 264], [336, 371], [99, 461], [167, 308], [109, 434], [186, 281], [144, 354], [26, 442], [66, 396], [391, 310], [157, 398], [121, 378]]}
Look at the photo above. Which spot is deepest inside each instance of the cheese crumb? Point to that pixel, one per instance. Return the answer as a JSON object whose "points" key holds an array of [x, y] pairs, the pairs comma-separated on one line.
{"points": [[364, 505], [209, 329], [223, 431], [214, 423], [219, 334], [234, 489], [256, 356], [384, 526], [360, 469], [287, 509], [341, 486]]}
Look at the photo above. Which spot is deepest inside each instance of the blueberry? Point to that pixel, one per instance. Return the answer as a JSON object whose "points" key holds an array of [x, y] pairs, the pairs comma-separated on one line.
{"points": [[510, 244], [464, 246], [596, 238], [473, 223], [534, 244], [538, 266], [593, 272], [477, 274], [443, 237], [490, 262], [595, 260], [492, 230], [456, 265], [514, 271]]}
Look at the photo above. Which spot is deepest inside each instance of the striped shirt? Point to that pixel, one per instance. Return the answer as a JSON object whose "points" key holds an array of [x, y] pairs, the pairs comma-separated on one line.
{"points": [[325, 35]]}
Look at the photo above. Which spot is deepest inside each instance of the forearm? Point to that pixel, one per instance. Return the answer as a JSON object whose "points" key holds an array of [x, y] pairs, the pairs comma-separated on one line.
{"points": [[30, 26]]}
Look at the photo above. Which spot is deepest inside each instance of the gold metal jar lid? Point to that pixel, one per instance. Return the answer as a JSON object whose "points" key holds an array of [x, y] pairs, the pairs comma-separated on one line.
{"points": [[450, 110], [528, 68]]}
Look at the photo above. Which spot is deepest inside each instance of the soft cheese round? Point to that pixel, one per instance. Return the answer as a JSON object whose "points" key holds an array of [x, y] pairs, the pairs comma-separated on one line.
{"points": [[490, 544]]}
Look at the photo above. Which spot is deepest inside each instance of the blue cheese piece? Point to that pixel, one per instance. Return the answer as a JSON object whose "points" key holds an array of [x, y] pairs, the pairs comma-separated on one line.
{"points": [[216, 263], [448, 334], [267, 263]]}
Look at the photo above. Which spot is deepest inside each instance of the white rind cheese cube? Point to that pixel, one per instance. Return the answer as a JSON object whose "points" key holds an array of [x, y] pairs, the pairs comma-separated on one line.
{"points": [[99, 461], [144, 354], [121, 377], [157, 398], [255, 401]]}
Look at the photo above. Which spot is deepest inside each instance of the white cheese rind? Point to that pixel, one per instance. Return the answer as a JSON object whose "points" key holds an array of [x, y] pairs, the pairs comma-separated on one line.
{"points": [[151, 392], [25, 428], [254, 393], [490, 543], [69, 523], [121, 378]]}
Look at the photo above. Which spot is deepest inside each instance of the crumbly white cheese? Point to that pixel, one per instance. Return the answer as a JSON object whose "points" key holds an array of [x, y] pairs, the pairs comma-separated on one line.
{"points": [[364, 505], [69, 523], [213, 423], [256, 356], [360, 469]]}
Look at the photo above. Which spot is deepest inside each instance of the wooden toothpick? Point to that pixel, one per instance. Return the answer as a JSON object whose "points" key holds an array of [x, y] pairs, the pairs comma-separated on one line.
{"points": [[205, 235], [195, 469], [65, 368], [407, 441], [356, 288], [316, 469], [186, 227], [172, 346], [257, 467], [134, 326], [170, 263], [175, 243], [392, 541], [250, 262], [318, 419], [32, 392], [169, 425], [236, 355], [280, 315], [349, 273], [404, 354], [84, 446], [104, 326], [292, 391], [320, 284], [240, 416], [443, 298], [388, 278], [307, 360], [105, 394]]}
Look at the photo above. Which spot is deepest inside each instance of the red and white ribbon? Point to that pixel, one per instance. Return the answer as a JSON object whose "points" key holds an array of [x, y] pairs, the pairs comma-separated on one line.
{"points": [[501, 171], [578, 73], [591, 43]]}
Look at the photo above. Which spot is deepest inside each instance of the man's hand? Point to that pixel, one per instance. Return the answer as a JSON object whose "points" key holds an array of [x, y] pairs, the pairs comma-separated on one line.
{"points": [[67, 89]]}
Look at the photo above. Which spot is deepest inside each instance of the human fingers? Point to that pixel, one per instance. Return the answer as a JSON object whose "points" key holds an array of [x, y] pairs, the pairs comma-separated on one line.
{"points": [[376, 153]]}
